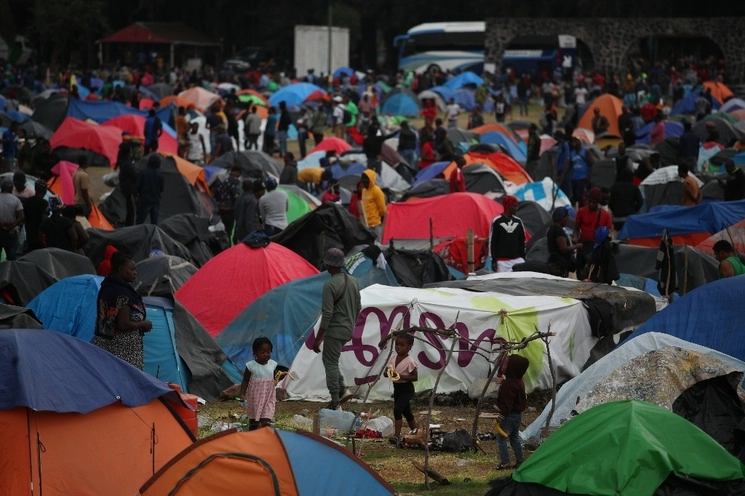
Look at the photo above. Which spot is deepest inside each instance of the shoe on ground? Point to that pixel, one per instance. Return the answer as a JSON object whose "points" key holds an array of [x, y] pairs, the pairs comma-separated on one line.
{"points": [[346, 396], [333, 405]]}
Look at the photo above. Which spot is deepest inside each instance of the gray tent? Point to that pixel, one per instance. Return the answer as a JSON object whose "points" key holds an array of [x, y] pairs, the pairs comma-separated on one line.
{"points": [[728, 134], [430, 188], [60, 263], [253, 163], [13, 317], [482, 179], [162, 275], [193, 232], [137, 241], [534, 217], [21, 281]]}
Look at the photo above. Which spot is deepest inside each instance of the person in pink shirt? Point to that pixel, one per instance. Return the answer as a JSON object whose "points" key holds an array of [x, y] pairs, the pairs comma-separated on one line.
{"points": [[403, 371]]}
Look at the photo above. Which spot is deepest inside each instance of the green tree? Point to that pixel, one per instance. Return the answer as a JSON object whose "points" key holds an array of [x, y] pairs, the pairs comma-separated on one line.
{"points": [[67, 30]]}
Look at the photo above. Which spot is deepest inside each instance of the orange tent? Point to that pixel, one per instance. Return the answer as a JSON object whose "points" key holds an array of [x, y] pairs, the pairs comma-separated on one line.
{"points": [[266, 461], [502, 163], [718, 90], [610, 108]]}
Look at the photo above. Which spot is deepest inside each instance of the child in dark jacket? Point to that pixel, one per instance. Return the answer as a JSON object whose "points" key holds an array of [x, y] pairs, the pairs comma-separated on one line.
{"points": [[511, 403]]}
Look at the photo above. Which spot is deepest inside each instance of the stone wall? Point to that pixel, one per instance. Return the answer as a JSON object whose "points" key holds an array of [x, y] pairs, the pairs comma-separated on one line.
{"points": [[610, 39]]}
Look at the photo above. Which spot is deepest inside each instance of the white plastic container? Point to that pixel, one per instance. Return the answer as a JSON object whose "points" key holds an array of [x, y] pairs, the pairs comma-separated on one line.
{"points": [[336, 419], [384, 425]]}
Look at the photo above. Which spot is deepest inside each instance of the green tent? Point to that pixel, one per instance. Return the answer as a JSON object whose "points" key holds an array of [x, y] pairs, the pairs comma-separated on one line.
{"points": [[298, 206], [251, 99], [626, 448]]}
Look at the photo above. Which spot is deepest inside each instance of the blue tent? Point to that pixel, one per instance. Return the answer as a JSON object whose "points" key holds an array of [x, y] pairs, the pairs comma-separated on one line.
{"points": [[69, 307], [687, 104], [294, 94], [445, 92], [103, 111], [497, 138], [710, 315], [148, 93], [82, 377], [672, 128], [400, 103], [463, 79], [353, 169], [430, 172], [708, 217], [287, 314], [465, 98]]}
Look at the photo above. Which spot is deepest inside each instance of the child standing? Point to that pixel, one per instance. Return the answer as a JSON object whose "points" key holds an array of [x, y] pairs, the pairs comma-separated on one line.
{"points": [[402, 369], [511, 402], [257, 387]]}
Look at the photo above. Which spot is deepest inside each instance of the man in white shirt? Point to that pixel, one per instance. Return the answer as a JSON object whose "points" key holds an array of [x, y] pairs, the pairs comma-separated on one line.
{"points": [[451, 113], [338, 117], [580, 94]]}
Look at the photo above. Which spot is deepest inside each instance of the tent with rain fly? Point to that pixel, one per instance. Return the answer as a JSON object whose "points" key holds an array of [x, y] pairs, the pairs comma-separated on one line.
{"points": [[67, 403], [287, 313], [480, 316], [328, 226], [689, 225], [450, 216], [177, 350], [610, 108], [235, 278], [269, 462], [401, 101], [627, 447]]}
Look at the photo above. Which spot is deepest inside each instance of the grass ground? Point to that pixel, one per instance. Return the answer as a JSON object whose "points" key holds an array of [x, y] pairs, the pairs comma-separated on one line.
{"points": [[469, 473]]}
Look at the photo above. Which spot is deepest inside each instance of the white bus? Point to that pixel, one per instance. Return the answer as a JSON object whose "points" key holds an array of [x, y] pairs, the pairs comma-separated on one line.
{"points": [[459, 46]]}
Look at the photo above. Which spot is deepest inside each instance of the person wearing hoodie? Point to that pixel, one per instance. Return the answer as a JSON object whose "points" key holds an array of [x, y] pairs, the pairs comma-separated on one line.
{"points": [[373, 203], [511, 402], [150, 184]]}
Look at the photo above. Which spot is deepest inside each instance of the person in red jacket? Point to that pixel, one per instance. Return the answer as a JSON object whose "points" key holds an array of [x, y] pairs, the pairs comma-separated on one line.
{"points": [[589, 218], [428, 155]]}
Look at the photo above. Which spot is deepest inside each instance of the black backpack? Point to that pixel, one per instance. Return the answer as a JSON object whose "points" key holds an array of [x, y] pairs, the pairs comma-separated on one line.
{"points": [[347, 117]]}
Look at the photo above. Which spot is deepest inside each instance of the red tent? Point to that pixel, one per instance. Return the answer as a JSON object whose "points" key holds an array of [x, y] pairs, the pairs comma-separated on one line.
{"points": [[735, 234], [231, 281], [452, 215], [135, 125], [336, 144], [74, 133]]}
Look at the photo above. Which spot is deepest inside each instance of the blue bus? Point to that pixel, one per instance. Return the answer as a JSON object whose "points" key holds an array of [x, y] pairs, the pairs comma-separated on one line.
{"points": [[459, 46]]}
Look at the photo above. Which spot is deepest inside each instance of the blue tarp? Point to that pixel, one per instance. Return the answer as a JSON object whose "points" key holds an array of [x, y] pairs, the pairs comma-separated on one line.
{"points": [[400, 104], [430, 172], [672, 128], [293, 94], [103, 111], [710, 316], [464, 79], [48, 371], [313, 461], [687, 104], [69, 307], [708, 217], [286, 315], [497, 138]]}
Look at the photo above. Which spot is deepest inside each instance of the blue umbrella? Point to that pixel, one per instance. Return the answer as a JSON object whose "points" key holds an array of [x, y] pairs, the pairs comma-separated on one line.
{"points": [[343, 71], [294, 94]]}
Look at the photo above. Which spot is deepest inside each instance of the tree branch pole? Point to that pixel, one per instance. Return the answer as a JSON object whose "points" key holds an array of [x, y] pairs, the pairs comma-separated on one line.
{"points": [[470, 251], [454, 336], [553, 380]]}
